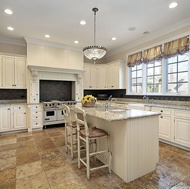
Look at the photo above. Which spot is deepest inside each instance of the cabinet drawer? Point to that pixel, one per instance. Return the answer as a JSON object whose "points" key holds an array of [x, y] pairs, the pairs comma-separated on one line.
{"points": [[37, 124], [16, 108], [36, 117], [163, 111], [182, 113], [36, 107], [36, 113]]}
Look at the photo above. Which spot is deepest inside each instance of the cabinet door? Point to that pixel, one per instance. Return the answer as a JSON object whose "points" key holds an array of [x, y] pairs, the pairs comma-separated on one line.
{"points": [[34, 92], [20, 73], [165, 127], [5, 118], [102, 72], [93, 77], [90, 77], [182, 131], [8, 72], [87, 77], [19, 120], [113, 76]]}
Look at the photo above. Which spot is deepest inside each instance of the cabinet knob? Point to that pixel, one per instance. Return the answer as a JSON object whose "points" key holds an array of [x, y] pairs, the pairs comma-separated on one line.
{"points": [[8, 108], [24, 112], [161, 116], [36, 117], [19, 107], [161, 110], [36, 112]]}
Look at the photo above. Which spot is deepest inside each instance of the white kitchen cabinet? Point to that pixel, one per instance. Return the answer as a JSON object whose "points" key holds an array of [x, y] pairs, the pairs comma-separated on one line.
{"points": [[14, 72], [116, 75], [106, 76], [35, 117], [102, 77], [19, 117], [182, 127], [90, 77], [5, 118], [165, 123], [34, 92]]}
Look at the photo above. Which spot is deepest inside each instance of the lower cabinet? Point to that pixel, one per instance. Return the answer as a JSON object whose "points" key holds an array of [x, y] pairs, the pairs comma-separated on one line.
{"points": [[19, 117], [12, 117], [5, 118], [35, 116], [182, 127], [165, 123], [174, 126]]}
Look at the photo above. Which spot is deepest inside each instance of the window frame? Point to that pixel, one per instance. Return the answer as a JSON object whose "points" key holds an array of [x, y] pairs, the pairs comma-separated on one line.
{"points": [[164, 76]]}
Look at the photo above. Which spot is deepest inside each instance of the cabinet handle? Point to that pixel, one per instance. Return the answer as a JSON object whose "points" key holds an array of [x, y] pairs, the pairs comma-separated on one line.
{"points": [[13, 85], [36, 106], [161, 110], [36, 123], [36, 112], [8, 108], [36, 117], [24, 112], [111, 86], [19, 107], [161, 116]]}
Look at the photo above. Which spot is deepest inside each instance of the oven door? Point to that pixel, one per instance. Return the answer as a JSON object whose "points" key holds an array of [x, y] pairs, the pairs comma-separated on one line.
{"points": [[60, 114], [49, 115]]}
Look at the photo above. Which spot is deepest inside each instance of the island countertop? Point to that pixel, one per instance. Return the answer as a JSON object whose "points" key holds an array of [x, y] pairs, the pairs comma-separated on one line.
{"points": [[115, 114]]}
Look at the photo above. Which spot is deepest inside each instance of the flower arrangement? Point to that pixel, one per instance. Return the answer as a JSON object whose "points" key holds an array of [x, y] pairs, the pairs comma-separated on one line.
{"points": [[88, 99]]}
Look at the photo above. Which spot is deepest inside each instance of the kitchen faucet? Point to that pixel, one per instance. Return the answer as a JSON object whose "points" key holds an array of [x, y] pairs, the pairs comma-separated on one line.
{"points": [[146, 98], [109, 101]]}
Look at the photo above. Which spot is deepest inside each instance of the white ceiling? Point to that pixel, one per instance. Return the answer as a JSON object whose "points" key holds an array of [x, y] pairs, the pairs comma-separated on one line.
{"points": [[60, 19]]}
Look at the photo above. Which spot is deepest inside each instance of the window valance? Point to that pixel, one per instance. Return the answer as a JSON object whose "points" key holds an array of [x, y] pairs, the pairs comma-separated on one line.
{"points": [[178, 46], [154, 53], [134, 59]]}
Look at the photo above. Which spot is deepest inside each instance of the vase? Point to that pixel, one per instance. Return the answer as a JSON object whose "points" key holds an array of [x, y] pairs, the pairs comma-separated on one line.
{"points": [[89, 104]]}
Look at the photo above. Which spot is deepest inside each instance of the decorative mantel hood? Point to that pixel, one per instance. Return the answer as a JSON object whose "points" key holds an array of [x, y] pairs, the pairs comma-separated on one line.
{"points": [[36, 70]]}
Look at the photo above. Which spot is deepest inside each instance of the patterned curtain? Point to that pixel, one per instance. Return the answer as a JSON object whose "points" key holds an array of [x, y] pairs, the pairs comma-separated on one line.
{"points": [[178, 46], [134, 59], [151, 54]]}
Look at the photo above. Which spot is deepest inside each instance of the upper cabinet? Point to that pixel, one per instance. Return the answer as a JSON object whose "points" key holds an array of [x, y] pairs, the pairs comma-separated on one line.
{"points": [[13, 72], [106, 76], [90, 77], [56, 57]]}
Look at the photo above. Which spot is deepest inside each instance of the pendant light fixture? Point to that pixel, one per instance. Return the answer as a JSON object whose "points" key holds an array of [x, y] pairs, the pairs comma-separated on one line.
{"points": [[94, 52]]}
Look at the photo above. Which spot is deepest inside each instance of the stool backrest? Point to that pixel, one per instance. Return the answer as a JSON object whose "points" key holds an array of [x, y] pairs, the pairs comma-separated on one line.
{"points": [[67, 115], [80, 117]]}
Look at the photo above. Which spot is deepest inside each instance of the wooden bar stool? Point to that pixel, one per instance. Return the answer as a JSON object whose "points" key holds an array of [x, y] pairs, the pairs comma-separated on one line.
{"points": [[70, 132], [89, 136]]}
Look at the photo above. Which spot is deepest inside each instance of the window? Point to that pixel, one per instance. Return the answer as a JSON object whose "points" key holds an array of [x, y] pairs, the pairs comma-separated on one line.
{"points": [[136, 79], [177, 74], [164, 69], [154, 77]]}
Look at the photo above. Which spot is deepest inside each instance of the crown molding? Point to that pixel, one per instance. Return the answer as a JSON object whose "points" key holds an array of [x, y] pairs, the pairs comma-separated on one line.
{"points": [[151, 36], [12, 41], [50, 44]]}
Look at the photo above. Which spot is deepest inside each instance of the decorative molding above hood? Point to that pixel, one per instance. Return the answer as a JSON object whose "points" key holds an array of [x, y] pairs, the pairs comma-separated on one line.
{"points": [[36, 70]]}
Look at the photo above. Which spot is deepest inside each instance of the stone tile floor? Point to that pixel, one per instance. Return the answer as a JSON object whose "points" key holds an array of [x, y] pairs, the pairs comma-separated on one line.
{"points": [[37, 160]]}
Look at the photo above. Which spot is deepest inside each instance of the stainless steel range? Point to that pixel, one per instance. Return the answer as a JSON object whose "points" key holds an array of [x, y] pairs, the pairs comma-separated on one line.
{"points": [[52, 113]]}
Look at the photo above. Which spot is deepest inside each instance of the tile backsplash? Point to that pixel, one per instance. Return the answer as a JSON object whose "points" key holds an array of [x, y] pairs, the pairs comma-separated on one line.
{"points": [[13, 94], [55, 90]]}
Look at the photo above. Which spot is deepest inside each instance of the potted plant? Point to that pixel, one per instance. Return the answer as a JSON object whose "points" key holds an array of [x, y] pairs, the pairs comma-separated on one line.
{"points": [[88, 101]]}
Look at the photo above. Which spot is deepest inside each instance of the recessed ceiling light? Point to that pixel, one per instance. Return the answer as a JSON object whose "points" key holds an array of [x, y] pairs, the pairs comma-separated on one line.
{"points": [[10, 28], [47, 36], [8, 11], [82, 22], [76, 42], [173, 5], [113, 38], [132, 29]]}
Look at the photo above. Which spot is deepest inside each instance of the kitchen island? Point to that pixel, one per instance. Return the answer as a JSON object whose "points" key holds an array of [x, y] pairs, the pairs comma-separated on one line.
{"points": [[133, 139]]}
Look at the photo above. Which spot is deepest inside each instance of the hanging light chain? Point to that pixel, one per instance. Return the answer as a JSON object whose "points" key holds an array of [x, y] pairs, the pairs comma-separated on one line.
{"points": [[94, 28]]}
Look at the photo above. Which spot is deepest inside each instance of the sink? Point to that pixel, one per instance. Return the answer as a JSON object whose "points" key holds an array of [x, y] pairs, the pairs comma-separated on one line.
{"points": [[117, 110]]}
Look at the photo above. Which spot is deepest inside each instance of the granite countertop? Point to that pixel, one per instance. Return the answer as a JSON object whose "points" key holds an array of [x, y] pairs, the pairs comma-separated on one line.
{"points": [[115, 114]]}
